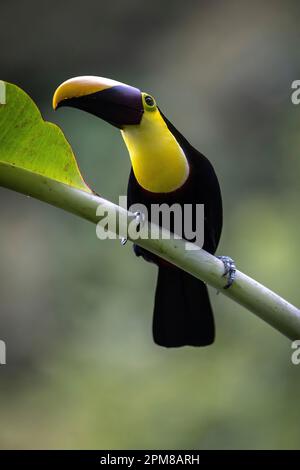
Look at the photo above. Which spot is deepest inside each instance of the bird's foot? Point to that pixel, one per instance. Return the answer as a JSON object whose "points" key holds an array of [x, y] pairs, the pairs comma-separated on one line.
{"points": [[229, 270], [140, 220]]}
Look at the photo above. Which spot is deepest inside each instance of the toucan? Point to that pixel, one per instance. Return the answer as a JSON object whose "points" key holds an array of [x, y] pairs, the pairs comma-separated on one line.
{"points": [[165, 168]]}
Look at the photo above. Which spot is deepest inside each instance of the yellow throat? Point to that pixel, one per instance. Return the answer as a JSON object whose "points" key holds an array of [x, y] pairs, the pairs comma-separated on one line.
{"points": [[159, 163]]}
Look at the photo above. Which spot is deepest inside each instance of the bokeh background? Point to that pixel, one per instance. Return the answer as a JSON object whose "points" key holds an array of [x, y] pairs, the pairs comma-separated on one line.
{"points": [[82, 370]]}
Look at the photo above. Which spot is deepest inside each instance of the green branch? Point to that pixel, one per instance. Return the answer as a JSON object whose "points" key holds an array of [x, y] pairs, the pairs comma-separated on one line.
{"points": [[269, 306]]}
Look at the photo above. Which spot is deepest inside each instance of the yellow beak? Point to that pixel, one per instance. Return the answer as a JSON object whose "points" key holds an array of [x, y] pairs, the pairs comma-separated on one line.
{"points": [[112, 101], [81, 86]]}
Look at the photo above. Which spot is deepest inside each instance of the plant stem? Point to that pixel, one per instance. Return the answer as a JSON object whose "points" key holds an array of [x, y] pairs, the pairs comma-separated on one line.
{"points": [[260, 300]]}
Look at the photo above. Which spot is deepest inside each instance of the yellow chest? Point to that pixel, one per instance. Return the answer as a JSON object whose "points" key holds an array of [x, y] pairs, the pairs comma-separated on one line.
{"points": [[158, 162]]}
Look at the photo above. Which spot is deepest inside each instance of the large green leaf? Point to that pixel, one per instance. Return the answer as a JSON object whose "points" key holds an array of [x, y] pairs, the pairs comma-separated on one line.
{"points": [[27, 142]]}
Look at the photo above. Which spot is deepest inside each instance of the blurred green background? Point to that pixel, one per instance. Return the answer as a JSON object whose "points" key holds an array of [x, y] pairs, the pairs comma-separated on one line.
{"points": [[82, 370]]}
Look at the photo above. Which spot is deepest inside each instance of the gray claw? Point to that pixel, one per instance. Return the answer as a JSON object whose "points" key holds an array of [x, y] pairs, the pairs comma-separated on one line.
{"points": [[229, 270], [140, 220]]}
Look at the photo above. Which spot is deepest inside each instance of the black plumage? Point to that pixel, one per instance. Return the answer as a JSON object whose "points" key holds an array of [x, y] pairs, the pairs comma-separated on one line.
{"points": [[182, 310]]}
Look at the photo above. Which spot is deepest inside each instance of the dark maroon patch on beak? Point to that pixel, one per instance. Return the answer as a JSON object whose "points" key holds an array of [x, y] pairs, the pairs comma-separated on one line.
{"points": [[119, 105]]}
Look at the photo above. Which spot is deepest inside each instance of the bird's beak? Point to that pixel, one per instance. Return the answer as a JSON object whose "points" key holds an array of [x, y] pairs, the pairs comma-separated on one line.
{"points": [[115, 102]]}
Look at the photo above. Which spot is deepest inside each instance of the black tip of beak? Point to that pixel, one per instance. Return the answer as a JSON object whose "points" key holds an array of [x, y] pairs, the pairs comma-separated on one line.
{"points": [[119, 105]]}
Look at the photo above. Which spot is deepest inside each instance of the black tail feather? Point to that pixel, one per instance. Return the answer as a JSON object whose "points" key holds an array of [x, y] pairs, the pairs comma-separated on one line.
{"points": [[182, 312]]}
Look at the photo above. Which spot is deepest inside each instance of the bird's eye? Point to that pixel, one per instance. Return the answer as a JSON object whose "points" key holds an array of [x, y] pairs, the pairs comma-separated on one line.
{"points": [[149, 100]]}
